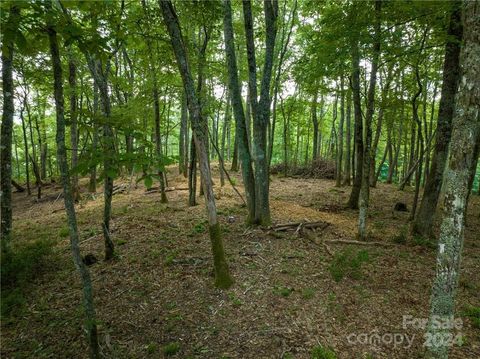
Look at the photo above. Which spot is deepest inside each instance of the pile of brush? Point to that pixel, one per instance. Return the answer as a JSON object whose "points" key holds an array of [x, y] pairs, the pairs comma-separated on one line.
{"points": [[319, 168]]}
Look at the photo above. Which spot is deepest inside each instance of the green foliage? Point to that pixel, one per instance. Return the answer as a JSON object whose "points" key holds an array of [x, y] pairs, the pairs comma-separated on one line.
{"points": [[171, 349], [321, 352], [473, 313], [64, 232], [348, 263], [308, 293], [282, 291], [235, 300], [151, 348], [20, 267]]}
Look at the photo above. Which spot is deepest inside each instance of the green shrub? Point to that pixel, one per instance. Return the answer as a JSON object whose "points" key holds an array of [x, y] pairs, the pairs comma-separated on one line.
{"points": [[19, 267], [320, 352], [64, 232], [473, 313], [347, 263], [171, 348]]}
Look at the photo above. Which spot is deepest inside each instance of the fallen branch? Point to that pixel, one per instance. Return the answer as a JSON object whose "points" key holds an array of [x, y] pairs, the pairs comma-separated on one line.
{"points": [[351, 241], [299, 226], [168, 189], [17, 186]]}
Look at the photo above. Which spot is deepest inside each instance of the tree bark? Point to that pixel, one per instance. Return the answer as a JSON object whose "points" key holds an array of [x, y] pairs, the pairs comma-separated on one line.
{"points": [[7, 126], [357, 109], [340, 135], [367, 156], [464, 139], [90, 318], [261, 109], [72, 81], [451, 74], [222, 275]]}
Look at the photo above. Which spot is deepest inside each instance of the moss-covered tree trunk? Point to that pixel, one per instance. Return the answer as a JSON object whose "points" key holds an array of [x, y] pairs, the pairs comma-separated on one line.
{"points": [[222, 274], [460, 164], [261, 108], [424, 219], [7, 125], [236, 97], [90, 319]]}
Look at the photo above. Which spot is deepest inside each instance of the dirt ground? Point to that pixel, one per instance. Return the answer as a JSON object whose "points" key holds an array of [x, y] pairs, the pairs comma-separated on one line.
{"points": [[159, 290]]}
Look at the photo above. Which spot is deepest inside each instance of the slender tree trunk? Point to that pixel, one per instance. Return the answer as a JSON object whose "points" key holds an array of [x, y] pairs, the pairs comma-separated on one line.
{"points": [[92, 186], [461, 160], [367, 156], [315, 125], [109, 166], [25, 142], [222, 275], [182, 150], [7, 126], [340, 135], [346, 181], [424, 219], [72, 81], [421, 144], [192, 175], [235, 152], [90, 321], [357, 107]]}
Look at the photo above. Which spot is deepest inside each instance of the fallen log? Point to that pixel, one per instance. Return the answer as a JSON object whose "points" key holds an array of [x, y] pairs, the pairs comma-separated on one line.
{"points": [[351, 241], [17, 186]]}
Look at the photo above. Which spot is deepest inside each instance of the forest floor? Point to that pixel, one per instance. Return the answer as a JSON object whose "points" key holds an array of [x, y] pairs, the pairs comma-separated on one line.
{"points": [[156, 298]]}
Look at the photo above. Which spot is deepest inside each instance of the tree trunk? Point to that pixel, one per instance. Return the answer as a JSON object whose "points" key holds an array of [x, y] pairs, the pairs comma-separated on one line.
{"points": [[367, 156], [315, 125], [222, 275], [25, 141], [340, 136], [90, 321], [347, 176], [424, 219], [7, 126], [92, 186], [357, 107], [109, 168], [461, 160], [72, 81], [192, 175], [261, 109], [182, 150]]}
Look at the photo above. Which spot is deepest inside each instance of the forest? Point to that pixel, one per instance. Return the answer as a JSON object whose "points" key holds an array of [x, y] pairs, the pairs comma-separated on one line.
{"points": [[240, 179]]}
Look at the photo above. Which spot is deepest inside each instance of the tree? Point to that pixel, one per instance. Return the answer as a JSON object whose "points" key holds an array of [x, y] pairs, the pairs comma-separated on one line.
{"points": [[367, 155], [240, 123], [260, 107], [461, 163], [7, 124], [222, 275], [90, 321], [424, 219]]}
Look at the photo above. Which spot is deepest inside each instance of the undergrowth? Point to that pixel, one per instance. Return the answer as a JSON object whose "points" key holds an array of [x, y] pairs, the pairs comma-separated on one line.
{"points": [[19, 267], [347, 263]]}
